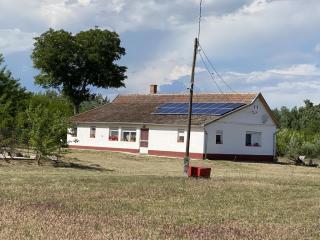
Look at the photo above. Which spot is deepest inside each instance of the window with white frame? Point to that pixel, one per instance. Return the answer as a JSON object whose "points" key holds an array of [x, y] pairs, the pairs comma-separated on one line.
{"points": [[219, 137], [129, 135], [92, 132], [74, 132], [180, 135], [253, 139], [113, 134]]}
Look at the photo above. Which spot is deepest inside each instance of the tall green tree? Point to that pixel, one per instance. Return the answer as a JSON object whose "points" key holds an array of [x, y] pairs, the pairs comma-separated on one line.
{"points": [[96, 101], [13, 102], [73, 64]]}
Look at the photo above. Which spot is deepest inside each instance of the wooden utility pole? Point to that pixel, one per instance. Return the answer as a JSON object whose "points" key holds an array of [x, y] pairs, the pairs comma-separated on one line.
{"points": [[186, 159]]}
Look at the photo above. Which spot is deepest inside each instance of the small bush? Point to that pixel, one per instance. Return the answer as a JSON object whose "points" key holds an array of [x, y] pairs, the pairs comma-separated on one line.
{"points": [[293, 144]]}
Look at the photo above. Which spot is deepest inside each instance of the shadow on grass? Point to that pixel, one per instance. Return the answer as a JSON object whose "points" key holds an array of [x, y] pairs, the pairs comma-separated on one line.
{"points": [[92, 167], [280, 163]]}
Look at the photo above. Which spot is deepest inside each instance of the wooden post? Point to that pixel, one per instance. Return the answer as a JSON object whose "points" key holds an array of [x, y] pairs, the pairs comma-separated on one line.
{"points": [[186, 159]]}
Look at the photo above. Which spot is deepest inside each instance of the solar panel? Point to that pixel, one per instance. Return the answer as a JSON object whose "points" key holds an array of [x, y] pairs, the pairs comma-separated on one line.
{"points": [[215, 109]]}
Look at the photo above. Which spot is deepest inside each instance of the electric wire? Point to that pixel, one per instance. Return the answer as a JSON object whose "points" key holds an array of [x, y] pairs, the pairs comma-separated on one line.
{"points": [[211, 75], [204, 53], [215, 70], [200, 18]]}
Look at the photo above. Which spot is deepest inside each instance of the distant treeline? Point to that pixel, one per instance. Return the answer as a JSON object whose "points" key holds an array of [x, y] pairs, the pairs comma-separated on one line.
{"points": [[299, 132]]}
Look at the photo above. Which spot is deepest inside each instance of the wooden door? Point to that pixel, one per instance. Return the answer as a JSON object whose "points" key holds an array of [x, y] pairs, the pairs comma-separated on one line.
{"points": [[144, 138]]}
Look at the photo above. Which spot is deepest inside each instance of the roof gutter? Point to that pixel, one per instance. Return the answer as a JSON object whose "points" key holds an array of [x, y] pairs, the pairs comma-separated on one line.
{"points": [[133, 123]]}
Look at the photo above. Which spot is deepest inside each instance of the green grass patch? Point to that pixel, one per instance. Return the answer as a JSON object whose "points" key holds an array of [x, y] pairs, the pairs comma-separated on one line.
{"points": [[103, 195]]}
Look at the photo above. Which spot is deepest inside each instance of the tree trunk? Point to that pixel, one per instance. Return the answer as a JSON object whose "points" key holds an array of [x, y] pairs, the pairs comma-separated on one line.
{"points": [[76, 109], [38, 158]]}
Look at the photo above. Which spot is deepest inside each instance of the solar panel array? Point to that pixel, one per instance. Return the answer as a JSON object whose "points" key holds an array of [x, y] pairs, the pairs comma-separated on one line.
{"points": [[215, 109]]}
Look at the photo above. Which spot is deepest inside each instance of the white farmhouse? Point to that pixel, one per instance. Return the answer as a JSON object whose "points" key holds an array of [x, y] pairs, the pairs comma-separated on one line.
{"points": [[237, 126]]}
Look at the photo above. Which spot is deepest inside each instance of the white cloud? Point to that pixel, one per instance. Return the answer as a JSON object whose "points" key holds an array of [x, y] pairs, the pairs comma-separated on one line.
{"points": [[298, 70], [15, 40], [157, 73], [294, 72], [182, 71], [292, 93], [259, 30], [84, 2], [55, 12], [254, 7], [282, 86], [241, 36]]}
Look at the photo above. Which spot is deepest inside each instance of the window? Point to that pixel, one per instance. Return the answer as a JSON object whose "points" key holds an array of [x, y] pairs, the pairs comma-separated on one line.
{"points": [[129, 135], [253, 139], [180, 135], [114, 134], [74, 132], [219, 137], [92, 132], [255, 109]]}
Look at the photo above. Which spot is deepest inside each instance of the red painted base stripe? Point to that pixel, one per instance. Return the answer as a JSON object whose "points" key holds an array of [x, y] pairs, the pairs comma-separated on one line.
{"points": [[241, 157], [105, 149], [211, 156]]}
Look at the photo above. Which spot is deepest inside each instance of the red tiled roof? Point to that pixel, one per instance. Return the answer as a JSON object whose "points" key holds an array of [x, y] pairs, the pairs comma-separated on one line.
{"points": [[136, 108], [203, 97]]}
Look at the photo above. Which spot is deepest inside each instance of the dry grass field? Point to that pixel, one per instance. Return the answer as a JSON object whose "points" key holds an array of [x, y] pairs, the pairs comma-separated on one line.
{"points": [[102, 195]]}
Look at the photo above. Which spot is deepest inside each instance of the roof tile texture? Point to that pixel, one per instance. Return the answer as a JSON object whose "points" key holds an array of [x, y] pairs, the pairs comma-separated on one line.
{"points": [[139, 108]]}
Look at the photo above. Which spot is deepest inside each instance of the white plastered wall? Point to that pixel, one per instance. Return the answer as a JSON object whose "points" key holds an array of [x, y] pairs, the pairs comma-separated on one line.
{"points": [[161, 138], [164, 138], [254, 118], [102, 136]]}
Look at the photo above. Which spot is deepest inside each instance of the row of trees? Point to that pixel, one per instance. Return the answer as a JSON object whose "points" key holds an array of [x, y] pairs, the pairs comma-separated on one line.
{"points": [[70, 66], [299, 132], [37, 121]]}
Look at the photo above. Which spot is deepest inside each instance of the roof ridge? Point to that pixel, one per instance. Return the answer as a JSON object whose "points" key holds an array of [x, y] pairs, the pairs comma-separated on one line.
{"points": [[170, 94], [90, 110]]}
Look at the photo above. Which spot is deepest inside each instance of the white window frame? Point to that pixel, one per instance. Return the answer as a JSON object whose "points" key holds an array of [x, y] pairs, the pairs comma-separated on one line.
{"points": [[219, 133], [256, 139], [131, 132], [114, 130], [181, 133], [74, 132]]}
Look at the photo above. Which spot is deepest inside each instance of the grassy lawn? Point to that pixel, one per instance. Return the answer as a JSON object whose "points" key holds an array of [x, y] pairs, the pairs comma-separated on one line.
{"points": [[103, 195]]}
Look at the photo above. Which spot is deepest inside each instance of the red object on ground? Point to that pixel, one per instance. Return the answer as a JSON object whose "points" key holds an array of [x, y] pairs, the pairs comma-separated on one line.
{"points": [[199, 172]]}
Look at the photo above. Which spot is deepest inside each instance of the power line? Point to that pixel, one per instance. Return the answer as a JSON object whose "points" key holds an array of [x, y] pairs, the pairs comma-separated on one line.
{"points": [[200, 16], [208, 60], [210, 73], [215, 70]]}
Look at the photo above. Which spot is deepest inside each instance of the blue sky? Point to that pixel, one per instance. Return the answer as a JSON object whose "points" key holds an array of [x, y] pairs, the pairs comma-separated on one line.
{"points": [[264, 46]]}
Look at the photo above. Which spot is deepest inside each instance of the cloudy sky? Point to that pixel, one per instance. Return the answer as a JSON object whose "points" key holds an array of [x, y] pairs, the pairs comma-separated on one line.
{"points": [[264, 46]]}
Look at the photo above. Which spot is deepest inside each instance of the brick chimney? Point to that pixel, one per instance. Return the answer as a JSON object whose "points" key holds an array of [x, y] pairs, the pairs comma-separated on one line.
{"points": [[153, 89]]}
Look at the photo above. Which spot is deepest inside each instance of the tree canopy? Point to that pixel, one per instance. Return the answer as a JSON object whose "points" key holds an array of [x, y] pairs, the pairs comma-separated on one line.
{"points": [[305, 119], [47, 123], [94, 102], [299, 132], [73, 64], [13, 101]]}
